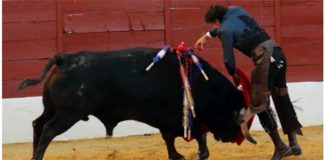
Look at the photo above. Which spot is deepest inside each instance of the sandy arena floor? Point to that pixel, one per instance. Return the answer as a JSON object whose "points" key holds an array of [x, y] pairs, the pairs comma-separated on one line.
{"points": [[152, 148]]}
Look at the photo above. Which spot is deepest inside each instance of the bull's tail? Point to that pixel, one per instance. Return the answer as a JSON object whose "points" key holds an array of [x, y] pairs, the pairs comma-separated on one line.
{"points": [[31, 82]]}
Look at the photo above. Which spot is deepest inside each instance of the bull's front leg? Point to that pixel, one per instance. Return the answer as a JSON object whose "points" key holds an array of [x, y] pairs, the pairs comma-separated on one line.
{"points": [[203, 152], [172, 152]]}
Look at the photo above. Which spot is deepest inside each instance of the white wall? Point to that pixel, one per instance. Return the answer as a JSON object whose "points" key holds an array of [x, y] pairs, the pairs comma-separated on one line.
{"points": [[18, 114]]}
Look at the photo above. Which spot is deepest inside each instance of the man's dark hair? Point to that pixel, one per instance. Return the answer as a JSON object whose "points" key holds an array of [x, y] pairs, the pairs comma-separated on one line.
{"points": [[214, 13]]}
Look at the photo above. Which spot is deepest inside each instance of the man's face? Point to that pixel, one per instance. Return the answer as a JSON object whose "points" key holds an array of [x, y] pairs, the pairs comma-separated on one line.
{"points": [[216, 24]]}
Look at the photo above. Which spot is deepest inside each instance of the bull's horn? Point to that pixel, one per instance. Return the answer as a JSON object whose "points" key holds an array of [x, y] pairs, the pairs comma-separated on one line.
{"points": [[245, 116], [246, 133]]}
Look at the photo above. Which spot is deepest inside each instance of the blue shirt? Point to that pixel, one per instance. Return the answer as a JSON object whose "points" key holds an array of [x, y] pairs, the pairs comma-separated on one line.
{"points": [[238, 30]]}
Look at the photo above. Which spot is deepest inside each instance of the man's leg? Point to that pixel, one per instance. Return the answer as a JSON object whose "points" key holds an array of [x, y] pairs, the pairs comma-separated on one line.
{"points": [[262, 80], [282, 102], [288, 118], [270, 126]]}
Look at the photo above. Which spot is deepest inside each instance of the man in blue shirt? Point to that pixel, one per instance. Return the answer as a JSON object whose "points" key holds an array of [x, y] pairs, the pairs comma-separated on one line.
{"points": [[237, 29]]}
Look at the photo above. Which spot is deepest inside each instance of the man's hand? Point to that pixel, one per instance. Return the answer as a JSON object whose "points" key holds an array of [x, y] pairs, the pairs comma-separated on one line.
{"points": [[200, 43]]}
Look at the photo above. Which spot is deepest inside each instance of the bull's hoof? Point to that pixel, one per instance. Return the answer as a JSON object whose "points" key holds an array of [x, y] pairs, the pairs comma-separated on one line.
{"points": [[280, 152], [202, 156], [109, 136], [177, 157], [296, 150]]}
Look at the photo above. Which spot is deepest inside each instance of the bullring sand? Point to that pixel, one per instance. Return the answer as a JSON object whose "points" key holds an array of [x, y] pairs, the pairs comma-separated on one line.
{"points": [[152, 147]]}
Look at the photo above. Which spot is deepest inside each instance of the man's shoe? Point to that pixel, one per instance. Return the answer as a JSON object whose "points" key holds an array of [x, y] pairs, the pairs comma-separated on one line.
{"points": [[296, 150], [282, 151]]}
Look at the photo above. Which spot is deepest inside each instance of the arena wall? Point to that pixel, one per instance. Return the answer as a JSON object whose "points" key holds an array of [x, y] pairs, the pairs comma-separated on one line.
{"points": [[34, 31]]}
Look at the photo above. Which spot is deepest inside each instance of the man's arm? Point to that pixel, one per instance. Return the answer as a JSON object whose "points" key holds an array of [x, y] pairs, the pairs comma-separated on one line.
{"points": [[200, 43], [227, 42]]}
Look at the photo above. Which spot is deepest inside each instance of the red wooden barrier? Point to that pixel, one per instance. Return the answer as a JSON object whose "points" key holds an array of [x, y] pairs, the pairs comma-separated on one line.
{"points": [[34, 30]]}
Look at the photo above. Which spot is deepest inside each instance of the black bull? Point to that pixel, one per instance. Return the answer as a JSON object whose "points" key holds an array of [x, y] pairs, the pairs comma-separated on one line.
{"points": [[114, 86]]}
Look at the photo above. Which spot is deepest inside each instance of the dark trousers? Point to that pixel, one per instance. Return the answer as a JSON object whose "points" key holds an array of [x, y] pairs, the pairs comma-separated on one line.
{"points": [[278, 86]]}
